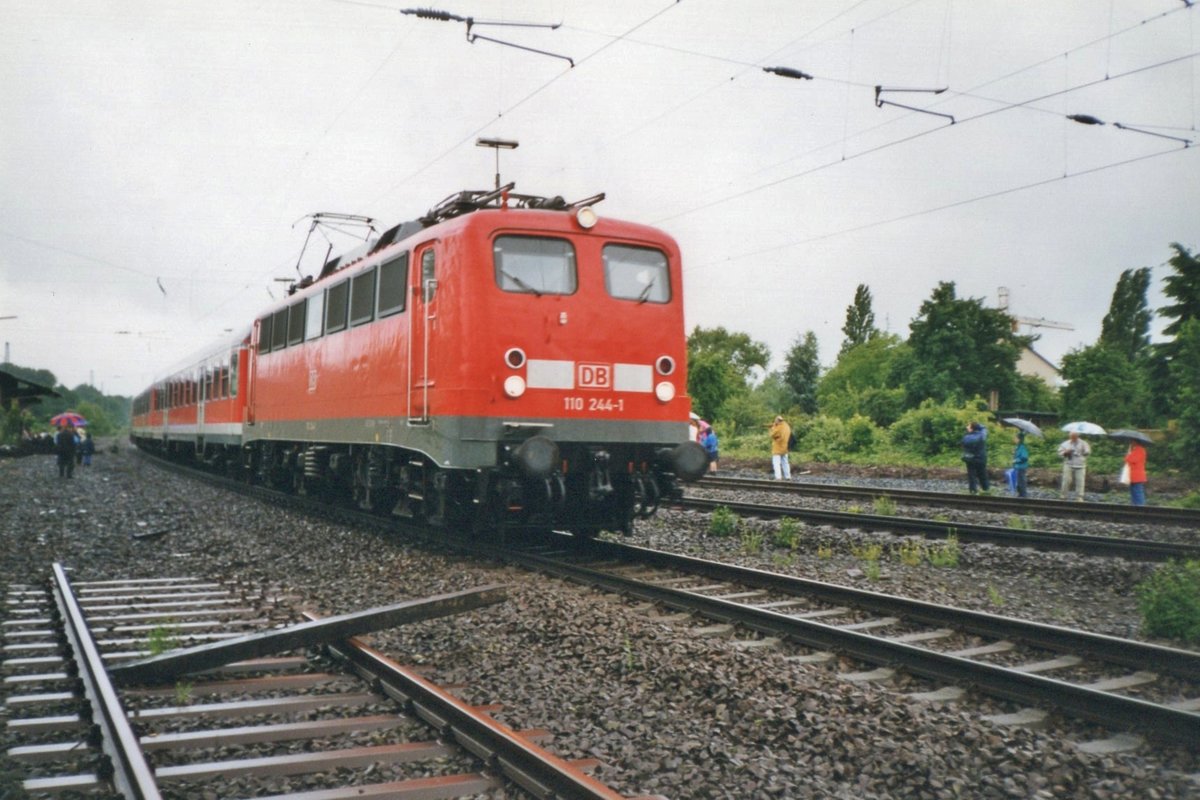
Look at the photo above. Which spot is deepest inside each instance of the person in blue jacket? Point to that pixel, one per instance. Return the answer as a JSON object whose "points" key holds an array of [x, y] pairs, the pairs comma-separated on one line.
{"points": [[1021, 465], [974, 455], [708, 440]]}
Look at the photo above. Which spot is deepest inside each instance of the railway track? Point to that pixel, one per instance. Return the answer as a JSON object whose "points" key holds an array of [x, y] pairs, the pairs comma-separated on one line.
{"points": [[1108, 683], [1113, 512], [1131, 688], [327, 716], [1142, 549]]}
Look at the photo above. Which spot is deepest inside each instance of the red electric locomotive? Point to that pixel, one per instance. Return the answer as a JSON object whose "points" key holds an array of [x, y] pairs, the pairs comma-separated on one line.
{"points": [[504, 361]]}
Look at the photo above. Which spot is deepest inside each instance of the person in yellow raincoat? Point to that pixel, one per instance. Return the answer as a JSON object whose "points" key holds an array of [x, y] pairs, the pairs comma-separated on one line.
{"points": [[781, 433]]}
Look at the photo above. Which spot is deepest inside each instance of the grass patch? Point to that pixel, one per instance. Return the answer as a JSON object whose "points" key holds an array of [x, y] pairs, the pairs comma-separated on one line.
{"points": [[910, 552], [885, 506], [723, 523], [1170, 601], [945, 553], [752, 542], [787, 534], [162, 638]]}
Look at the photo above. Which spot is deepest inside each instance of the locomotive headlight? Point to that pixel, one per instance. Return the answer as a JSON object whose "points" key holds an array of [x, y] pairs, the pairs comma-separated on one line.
{"points": [[665, 391], [515, 357], [586, 217], [514, 386], [665, 365]]}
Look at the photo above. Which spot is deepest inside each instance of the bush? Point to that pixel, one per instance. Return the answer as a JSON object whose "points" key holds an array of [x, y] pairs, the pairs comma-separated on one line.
{"points": [[1170, 601], [822, 438], [723, 523], [932, 429], [859, 435]]}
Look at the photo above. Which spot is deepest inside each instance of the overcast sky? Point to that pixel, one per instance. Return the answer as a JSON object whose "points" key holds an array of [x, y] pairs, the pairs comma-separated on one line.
{"points": [[157, 158]]}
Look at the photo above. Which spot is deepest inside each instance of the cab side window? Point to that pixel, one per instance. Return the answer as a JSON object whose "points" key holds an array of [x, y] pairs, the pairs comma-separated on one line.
{"points": [[393, 280], [335, 307]]}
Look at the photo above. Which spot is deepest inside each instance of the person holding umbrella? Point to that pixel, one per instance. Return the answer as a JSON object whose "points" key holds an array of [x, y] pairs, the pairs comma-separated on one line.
{"points": [[64, 448], [1074, 453], [1135, 464], [1020, 466]]}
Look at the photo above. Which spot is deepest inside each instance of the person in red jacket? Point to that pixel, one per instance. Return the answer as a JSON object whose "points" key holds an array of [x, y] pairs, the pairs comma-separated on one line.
{"points": [[1135, 459]]}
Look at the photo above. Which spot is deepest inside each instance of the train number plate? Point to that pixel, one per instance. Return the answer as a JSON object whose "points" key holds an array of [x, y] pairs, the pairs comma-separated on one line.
{"points": [[593, 404]]}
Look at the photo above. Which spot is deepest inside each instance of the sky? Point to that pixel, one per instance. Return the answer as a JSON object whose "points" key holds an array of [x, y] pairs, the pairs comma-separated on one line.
{"points": [[158, 159]]}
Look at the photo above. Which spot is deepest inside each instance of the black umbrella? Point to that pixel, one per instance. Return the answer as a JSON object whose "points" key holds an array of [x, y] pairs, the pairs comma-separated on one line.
{"points": [[1136, 436]]}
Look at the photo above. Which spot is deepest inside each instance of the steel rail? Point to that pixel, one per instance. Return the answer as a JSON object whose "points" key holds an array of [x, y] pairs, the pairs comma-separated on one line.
{"points": [[1111, 512], [1141, 549], [529, 766], [1161, 722], [131, 775]]}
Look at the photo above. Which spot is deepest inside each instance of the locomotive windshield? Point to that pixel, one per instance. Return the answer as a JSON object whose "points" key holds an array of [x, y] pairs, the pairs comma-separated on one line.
{"points": [[535, 265], [636, 273]]}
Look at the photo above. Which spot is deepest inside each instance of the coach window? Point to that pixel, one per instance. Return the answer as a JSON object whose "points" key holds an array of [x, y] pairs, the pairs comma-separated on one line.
{"points": [[393, 277], [362, 297], [335, 307], [295, 323], [233, 375], [533, 265], [264, 335], [279, 329], [636, 273], [314, 317]]}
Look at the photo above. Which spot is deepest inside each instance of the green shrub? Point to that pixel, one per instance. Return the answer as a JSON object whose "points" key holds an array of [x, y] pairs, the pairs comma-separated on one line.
{"points": [[723, 523], [885, 506], [932, 429], [910, 552], [1170, 601], [821, 438], [752, 542], [787, 535], [945, 554], [859, 435], [1187, 501]]}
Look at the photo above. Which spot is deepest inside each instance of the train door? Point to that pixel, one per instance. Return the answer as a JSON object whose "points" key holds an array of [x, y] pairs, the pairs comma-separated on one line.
{"points": [[251, 367], [203, 392], [423, 322]]}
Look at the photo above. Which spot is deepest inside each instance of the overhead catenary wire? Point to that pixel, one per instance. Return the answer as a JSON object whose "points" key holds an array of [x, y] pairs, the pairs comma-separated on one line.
{"points": [[935, 209], [913, 137]]}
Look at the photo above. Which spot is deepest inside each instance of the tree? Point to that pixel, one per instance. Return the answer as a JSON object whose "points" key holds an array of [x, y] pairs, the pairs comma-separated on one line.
{"points": [[864, 381], [1104, 387], [1183, 287], [801, 371], [1126, 326], [960, 349], [860, 320], [1185, 373], [720, 365], [711, 381]]}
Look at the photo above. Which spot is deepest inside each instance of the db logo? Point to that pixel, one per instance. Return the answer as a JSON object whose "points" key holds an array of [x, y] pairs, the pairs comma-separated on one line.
{"points": [[593, 376]]}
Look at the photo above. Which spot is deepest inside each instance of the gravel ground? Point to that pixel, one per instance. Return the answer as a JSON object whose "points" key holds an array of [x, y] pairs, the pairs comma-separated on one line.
{"points": [[668, 711]]}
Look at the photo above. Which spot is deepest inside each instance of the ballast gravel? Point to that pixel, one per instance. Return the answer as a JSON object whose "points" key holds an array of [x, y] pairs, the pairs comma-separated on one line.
{"points": [[668, 711]]}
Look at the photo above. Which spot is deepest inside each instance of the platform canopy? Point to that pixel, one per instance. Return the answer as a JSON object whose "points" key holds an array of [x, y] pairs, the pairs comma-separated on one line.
{"points": [[23, 391]]}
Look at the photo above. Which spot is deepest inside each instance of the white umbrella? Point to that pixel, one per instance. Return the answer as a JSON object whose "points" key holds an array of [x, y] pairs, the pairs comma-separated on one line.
{"points": [[1023, 424], [1084, 428]]}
